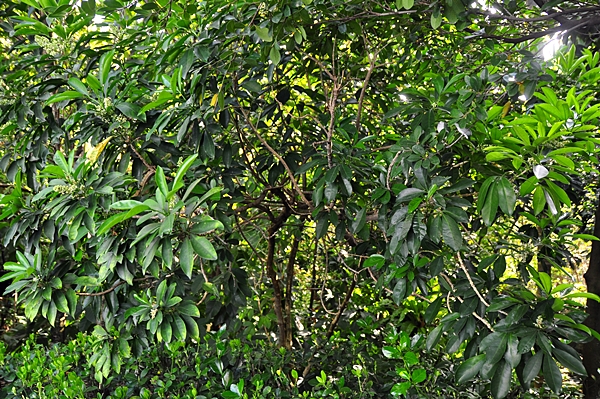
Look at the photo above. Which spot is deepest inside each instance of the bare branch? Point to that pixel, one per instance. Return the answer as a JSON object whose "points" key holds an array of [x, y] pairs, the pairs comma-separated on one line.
{"points": [[279, 158], [540, 18]]}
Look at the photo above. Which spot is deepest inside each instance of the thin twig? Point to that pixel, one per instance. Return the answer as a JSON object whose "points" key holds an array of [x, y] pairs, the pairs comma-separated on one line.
{"points": [[279, 158], [361, 98], [540, 18], [102, 292], [471, 283], [481, 319]]}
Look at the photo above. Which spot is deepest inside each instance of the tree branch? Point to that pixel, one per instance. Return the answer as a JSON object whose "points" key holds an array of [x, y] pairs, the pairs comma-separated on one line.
{"points": [[554, 15], [279, 158]]}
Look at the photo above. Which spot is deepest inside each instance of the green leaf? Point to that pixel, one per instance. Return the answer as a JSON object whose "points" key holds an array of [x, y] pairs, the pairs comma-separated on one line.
{"points": [[552, 374], [166, 332], [186, 257], [539, 200], [104, 68], [263, 34], [64, 96], [135, 311], [532, 367], [408, 4], [451, 232], [130, 110], [72, 301], [512, 355], [376, 261], [506, 196], [61, 301], [587, 295], [469, 368], [494, 346], [483, 192], [161, 181], [126, 205], [490, 206], [399, 291], [210, 194], [433, 309], [409, 193], [179, 329], [185, 166], [275, 55], [418, 376], [188, 308], [359, 221], [89, 7], [160, 291], [110, 222], [206, 225], [501, 381], [588, 237], [569, 361], [204, 248], [434, 337], [252, 85], [545, 282], [436, 18], [78, 85]]}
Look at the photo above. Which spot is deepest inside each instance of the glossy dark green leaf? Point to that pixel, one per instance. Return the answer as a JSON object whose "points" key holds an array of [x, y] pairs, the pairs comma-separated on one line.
{"points": [[399, 291], [204, 248], [569, 361], [432, 310], [64, 96], [532, 367], [451, 232], [495, 348], [105, 67], [490, 206], [469, 368], [130, 110], [512, 355], [506, 195], [161, 181], [409, 193], [434, 337], [60, 300], [552, 374], [501, 380], [539, 200], [186, 257], [483, 192], [78, 85]]}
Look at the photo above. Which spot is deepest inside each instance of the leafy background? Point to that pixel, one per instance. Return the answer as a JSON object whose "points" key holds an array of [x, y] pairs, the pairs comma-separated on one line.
{"points": [[298, 198]]}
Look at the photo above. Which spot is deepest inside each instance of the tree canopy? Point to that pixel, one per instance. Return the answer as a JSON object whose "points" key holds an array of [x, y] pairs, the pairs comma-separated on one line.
{"points": [[305, 175]]}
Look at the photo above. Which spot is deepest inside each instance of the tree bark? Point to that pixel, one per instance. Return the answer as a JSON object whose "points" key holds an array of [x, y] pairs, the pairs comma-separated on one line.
{"points": [[591, 350], [288, 293], [276, 224]]}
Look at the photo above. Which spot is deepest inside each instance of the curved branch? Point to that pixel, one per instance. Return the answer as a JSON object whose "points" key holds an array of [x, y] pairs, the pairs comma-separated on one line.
{"points": [[279, 158]]}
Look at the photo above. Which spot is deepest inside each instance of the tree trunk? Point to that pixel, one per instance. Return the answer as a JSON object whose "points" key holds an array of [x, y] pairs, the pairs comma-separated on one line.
{"points": [[288, 294], [591, 350], [276, 224]]}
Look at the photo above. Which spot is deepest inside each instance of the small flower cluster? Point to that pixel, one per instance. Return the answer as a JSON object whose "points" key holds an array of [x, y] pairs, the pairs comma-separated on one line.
{"points": [[54, 46], [66, 189], [120, 127], [105, 109]]}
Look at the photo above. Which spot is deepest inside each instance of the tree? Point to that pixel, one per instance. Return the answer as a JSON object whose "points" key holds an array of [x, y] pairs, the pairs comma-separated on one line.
{"points": [[172, 160]]}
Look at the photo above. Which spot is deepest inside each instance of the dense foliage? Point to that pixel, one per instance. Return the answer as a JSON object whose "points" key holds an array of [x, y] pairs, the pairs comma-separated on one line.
{"points": [[287, 198]]}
